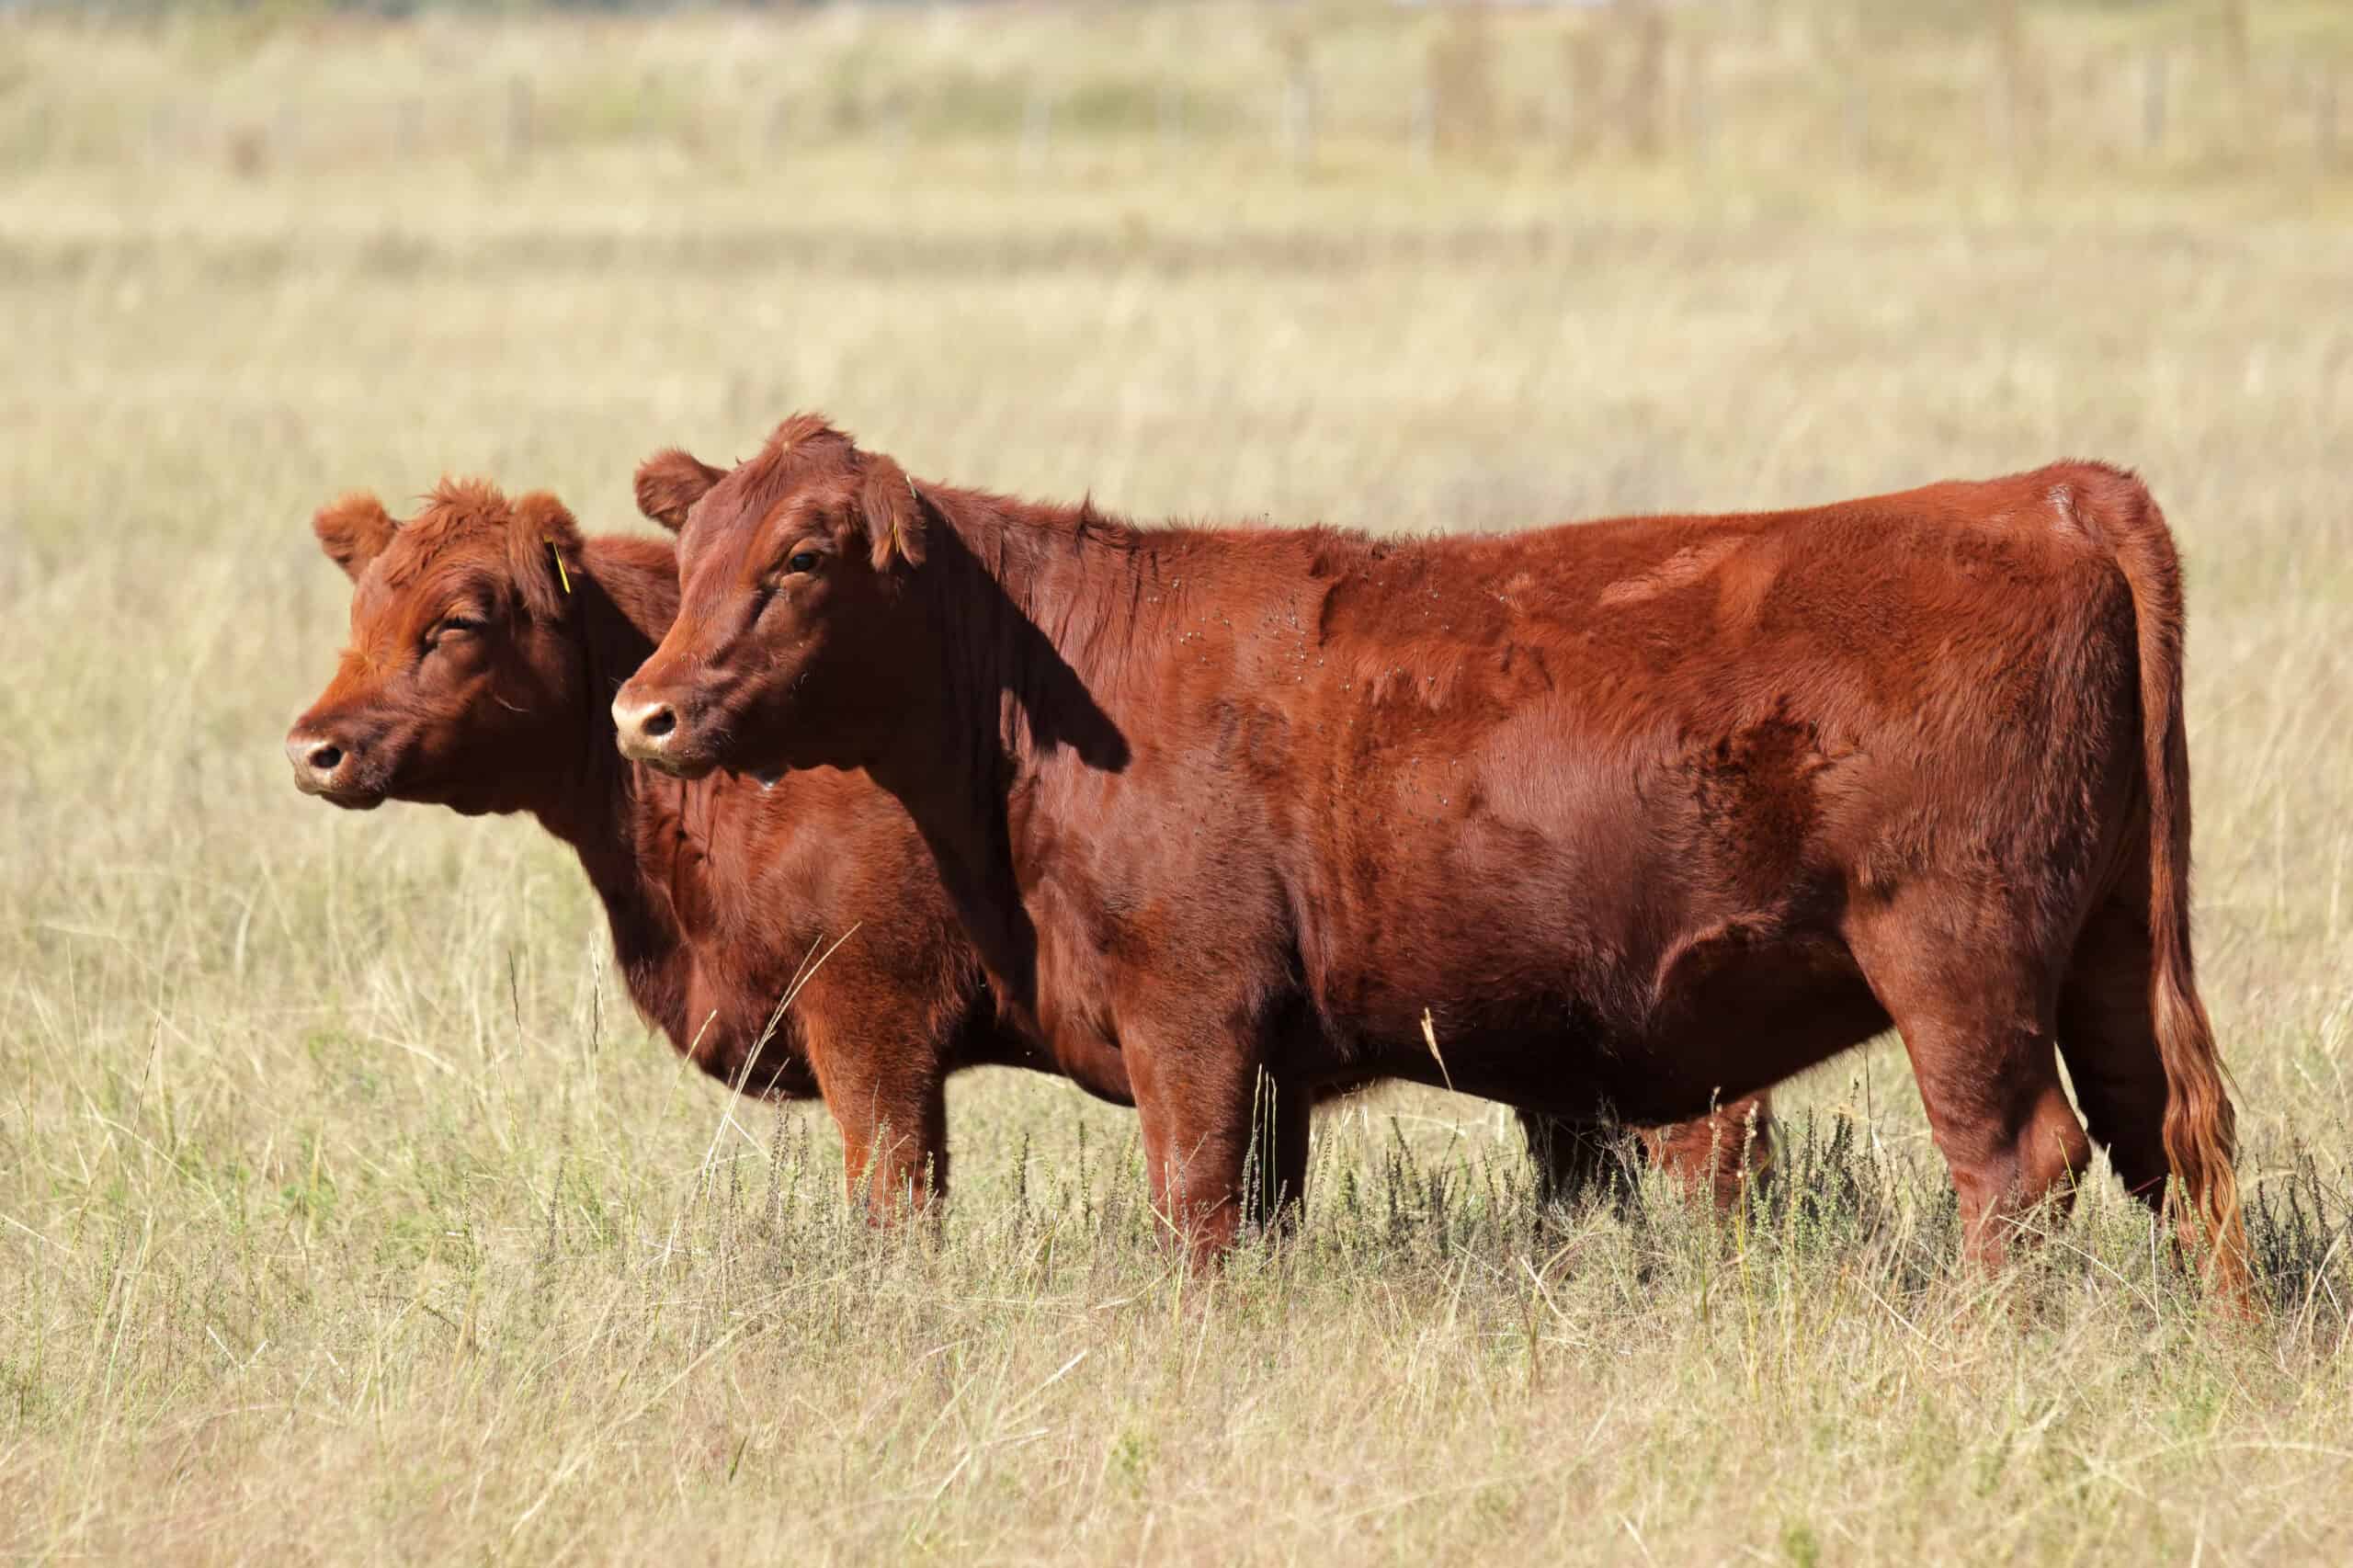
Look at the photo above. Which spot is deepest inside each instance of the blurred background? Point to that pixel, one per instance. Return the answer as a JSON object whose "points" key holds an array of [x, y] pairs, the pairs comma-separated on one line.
{"points": [[339, 1183]]}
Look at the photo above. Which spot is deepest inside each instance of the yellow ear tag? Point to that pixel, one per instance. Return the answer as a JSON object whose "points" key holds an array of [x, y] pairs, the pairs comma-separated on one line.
{"points": [[561, 575], [917, 496]]}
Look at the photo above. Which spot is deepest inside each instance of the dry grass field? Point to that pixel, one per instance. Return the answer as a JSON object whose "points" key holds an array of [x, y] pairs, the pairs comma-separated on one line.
{"points": [[347, 1213]]}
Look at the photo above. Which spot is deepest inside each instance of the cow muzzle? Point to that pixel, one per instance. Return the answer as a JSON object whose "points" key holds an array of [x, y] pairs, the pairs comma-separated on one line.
{"points": [[647, 731], [332, 767]]}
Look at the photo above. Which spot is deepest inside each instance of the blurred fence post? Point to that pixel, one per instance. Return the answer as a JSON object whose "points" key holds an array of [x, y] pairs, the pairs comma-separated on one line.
{"points": [[2153, 86], [518, 119], [1643, 107], [1037, 126], [1461, 81], [1169, 113], [2238, 47], [2021, 97], [1421, 128], [1585, 84], [1698, 93], [248, 149], [2238, 60], [408, 126], [2325, 117], [1295, 116], [1855, 100]]}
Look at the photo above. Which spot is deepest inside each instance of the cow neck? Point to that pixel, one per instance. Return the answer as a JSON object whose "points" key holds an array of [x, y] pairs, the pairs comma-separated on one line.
{"points": [[626, 595], [1021, 600]]}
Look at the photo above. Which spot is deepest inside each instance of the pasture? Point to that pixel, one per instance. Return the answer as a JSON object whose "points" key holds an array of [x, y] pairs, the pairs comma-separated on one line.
{"points": [[347, 1212]]}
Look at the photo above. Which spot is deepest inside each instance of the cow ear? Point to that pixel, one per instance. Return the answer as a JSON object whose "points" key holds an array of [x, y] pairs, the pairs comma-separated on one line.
{"points": [[669, 482], [353, 530], [894, 513], [547, 547]]}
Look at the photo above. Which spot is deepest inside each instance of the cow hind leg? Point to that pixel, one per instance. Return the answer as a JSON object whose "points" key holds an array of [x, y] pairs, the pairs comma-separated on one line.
{"points": [[1575, 1162], [1977, 1029], [1276, 1187], [2110, 1042], [1716, 1156], [1720, 1155]]}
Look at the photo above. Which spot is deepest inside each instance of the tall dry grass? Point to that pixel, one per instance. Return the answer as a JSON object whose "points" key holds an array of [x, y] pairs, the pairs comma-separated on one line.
{"points": [[347, 1212]]}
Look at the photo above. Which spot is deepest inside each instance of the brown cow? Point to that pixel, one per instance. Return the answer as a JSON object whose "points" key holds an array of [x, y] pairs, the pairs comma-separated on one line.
{"points": [[486, 637], [1634, 813]]}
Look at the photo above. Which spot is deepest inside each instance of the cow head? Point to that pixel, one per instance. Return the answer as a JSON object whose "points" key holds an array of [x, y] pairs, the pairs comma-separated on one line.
{"points": [[794, 629], [463, 683]]}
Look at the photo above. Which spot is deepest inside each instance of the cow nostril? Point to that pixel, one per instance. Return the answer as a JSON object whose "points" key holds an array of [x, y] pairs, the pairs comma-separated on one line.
{"points": [[323, 757], [658, 724]]}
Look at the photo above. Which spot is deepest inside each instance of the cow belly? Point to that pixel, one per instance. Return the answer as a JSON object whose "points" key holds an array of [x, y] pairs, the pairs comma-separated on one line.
{"points": [[1742, 1027], [1568, 1066], [1549, 1015]]}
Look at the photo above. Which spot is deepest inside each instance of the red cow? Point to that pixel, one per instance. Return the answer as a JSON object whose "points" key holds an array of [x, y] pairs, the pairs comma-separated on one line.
{"points": [[486, 638], [1633, 814]]}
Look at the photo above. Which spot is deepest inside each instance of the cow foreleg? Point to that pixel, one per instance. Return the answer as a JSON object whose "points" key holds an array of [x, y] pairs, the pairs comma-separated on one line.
{"points": [[887, 1096], [1214, 1121]]}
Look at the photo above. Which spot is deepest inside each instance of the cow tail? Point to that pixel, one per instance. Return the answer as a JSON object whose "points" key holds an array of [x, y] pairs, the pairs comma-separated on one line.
{"points": [[2200, 1133]]}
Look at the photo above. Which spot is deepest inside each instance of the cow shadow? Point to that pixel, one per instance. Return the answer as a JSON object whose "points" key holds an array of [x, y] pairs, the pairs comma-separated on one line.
{"points": [[965, 812]]}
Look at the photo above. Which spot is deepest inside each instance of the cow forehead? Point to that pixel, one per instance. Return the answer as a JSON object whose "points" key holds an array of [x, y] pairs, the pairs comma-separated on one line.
{"points": [[715, 560], [727, 529], [760, 491], [416, 577]]}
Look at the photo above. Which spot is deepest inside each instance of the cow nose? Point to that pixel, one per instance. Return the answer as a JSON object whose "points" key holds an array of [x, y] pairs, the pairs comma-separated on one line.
{"points": [[644, 728], [316, 760]]}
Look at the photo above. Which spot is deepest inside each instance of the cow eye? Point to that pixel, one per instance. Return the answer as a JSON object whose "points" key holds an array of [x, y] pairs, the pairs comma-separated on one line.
{"points": [[803, 561], [453, 626]]}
